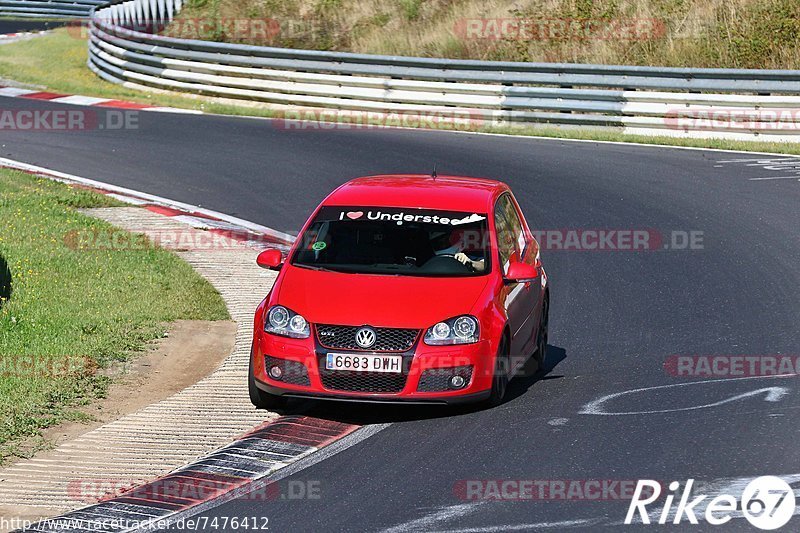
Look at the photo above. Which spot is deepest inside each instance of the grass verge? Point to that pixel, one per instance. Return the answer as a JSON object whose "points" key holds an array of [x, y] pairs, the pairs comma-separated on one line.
{"points": [[58, 62], [66, 314]]}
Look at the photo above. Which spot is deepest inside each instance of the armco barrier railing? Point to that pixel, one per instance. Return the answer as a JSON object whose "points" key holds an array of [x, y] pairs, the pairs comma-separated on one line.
{"points": [[51, 9], [740, 104]]}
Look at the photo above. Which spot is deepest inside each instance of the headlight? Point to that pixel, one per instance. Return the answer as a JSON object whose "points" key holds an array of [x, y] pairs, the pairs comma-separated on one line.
{"points": [[459, 330], [282, 321], [465, 327]]}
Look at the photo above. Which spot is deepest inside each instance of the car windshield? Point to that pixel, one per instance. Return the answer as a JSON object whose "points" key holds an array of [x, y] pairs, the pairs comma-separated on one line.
{"points": [[408, 242]]}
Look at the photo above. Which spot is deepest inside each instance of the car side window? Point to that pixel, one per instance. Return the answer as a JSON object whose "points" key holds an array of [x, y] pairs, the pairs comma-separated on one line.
{"points": [[514, 223], [505, 236]]}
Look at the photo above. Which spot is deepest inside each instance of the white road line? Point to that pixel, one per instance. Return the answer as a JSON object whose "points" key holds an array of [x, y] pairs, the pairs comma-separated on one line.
{"points": [[581, 522], [15, 91], [127, 199], [80, 100], [440, 515], [174, 110], [780, 159]]}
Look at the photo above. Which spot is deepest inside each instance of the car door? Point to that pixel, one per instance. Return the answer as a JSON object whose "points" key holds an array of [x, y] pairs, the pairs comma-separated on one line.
{"points": [[515, 244], [531, 255]]}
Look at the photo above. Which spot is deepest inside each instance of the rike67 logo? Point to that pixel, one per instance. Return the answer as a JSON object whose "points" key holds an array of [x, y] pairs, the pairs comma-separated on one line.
{"points": [[768, 503]]}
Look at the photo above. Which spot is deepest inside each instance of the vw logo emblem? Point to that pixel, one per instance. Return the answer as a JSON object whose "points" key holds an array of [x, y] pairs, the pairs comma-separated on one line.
{"points": [[365, 337]]}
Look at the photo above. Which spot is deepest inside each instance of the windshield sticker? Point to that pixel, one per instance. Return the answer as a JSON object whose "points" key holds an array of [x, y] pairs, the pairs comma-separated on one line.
{"points": [[430, 217], [319, 246], [468, 220]]}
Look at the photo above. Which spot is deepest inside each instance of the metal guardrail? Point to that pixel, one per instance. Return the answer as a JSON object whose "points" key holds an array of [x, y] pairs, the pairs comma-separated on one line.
{"points": [[51, 9], [756, 104]]}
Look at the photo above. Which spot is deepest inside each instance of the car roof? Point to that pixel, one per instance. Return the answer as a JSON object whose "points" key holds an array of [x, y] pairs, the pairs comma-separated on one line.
{"points": [[451, 193]]}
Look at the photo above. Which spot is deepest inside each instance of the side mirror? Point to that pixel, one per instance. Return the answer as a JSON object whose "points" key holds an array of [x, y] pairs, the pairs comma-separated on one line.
{"points": [[270, 259], [522, 272]]}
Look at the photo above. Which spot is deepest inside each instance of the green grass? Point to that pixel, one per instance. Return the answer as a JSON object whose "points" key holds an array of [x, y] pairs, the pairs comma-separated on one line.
{"points": [[58, 62], [67, 313]]}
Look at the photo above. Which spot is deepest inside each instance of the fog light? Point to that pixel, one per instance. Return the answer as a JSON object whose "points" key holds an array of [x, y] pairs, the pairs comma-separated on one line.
{"points": [[275, 372], [457, 382]]}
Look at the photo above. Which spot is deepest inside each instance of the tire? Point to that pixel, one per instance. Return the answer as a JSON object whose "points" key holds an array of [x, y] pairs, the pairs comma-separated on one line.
{"points": [[544, 323], [259, 398], [535, 362], [500, 377]]}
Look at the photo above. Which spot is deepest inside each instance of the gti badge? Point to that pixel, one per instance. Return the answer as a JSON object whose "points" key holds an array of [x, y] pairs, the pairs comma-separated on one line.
{"points": [[365, 337]]}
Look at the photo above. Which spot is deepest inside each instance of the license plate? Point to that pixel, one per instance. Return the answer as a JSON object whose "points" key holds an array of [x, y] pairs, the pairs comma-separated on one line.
{"points": [[365, 363]]}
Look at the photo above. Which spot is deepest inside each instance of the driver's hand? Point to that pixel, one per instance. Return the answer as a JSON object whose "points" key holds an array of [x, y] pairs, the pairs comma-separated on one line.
{"points": [[462, 258]]}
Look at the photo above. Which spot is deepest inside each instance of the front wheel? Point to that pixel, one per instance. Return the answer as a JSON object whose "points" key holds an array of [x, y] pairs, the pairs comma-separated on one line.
{"points": [[536, 362], [500, 377], [259, 398], [544, 322]]}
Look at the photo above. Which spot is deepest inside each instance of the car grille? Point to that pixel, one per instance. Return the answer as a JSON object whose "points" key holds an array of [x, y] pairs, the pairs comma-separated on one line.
{"points": [[438, 379], [387, 339], [362, 381], [294, 372]]}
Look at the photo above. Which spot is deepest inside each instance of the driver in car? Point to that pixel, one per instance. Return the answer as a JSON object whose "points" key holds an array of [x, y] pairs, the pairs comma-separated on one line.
{"points": [[456, 244]]}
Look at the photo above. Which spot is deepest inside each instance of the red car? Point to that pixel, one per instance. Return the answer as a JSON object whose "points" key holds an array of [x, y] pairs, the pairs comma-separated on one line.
{"points": [[403, 288]]}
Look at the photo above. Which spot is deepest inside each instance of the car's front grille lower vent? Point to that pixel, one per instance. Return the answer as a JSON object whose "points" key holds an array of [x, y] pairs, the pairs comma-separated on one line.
{"points": [[292, 372], [362, 381], [438, 379]]}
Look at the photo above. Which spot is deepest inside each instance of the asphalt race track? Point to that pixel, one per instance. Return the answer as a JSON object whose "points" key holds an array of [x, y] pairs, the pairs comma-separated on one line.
{"points": [[16, 25], [616, 315]]}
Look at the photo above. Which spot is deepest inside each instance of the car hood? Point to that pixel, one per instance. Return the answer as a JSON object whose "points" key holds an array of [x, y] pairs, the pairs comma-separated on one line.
{"points": [[380, 301]]}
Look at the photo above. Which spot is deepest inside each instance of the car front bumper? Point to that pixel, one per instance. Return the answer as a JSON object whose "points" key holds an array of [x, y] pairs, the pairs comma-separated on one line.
{"points": [[439, 361]]}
